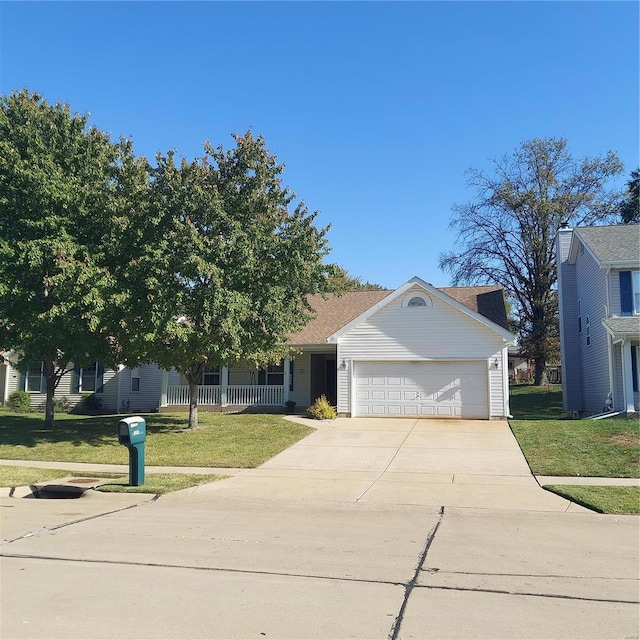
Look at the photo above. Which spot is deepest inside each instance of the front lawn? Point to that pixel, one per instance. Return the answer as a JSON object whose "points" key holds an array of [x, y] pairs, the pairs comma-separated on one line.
{"points": [[587, 448], [223, 440], [617, 500], [555, 445]]}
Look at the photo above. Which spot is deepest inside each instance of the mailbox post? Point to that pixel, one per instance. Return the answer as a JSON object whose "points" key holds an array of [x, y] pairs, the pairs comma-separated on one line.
{"points": [[132, 432]]}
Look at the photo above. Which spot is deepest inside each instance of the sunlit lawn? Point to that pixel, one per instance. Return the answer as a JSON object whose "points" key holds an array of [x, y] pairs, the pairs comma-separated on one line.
{"points": [[238, 440]]}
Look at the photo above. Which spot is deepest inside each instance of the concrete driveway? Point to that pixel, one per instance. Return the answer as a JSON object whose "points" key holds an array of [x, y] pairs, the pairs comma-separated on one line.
{"points": [[455, 463]]}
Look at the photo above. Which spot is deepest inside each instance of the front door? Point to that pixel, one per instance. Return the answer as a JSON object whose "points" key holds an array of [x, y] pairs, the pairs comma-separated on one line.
{"points": [[324, 377]]}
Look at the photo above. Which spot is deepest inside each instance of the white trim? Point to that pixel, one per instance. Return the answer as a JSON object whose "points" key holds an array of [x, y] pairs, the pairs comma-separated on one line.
{"points": [[224, 386], [430, 290], [506, 407], [164, 388], [627, 376]]}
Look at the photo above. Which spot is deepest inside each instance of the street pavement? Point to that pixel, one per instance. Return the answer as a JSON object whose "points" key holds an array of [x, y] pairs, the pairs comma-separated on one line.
{"points": [[333, 538]]}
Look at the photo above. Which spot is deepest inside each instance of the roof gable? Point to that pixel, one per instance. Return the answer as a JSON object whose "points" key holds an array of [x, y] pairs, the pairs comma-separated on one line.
{"points": [[611, 246], [337, 314]]}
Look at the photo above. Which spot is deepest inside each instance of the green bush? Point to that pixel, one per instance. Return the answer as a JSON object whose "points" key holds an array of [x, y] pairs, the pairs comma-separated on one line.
{"points": [[322, 410], [61, 405], [91, 402], [19, 401]]}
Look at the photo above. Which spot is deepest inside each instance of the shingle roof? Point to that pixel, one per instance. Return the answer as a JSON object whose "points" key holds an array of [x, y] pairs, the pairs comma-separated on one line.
{"points": [[334, 312], [618, 243], [627, 325]]}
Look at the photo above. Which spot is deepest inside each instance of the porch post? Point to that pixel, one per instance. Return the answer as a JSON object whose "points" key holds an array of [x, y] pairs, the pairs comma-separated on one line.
{"points": [[224, 384], [627, 376], [163, 388], [286, 379]]}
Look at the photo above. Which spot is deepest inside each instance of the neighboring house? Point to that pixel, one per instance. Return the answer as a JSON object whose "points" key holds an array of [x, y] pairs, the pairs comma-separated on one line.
{"points": [[599, 306], [521, 367], [417, 351]]}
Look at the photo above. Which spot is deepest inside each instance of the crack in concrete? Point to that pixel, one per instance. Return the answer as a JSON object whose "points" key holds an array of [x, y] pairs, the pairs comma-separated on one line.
{"points": [[527, 593], [159, 565], [397, 623], [436, 571], [46, 530], [388, 465]]}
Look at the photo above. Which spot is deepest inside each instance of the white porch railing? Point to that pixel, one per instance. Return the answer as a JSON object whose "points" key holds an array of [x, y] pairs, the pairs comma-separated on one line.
{"points": [[262, 396], [240, 395], [179, 394]]}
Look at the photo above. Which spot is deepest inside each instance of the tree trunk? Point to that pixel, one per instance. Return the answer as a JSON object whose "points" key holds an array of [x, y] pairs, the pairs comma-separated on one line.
{"points": [[194, 375], [51, 382], [540, 373]]}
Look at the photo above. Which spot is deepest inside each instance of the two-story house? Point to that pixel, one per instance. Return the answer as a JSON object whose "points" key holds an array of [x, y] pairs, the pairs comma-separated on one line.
{"points": [[599, 306]]}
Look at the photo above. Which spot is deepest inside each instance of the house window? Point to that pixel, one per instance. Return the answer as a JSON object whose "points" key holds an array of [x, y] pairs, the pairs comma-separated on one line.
{"points": [[588, 330], [579, 317], [272, 375], [211, 376], [135, 380], [88, 379], [33, 379], [629, 293]]}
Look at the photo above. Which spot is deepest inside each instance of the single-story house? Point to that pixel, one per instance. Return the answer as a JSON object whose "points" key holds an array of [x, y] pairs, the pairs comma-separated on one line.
{"points": [[418, 351]]}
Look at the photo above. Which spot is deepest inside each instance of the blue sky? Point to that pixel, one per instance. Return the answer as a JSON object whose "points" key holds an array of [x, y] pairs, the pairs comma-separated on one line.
{"points": [[376, 109]]}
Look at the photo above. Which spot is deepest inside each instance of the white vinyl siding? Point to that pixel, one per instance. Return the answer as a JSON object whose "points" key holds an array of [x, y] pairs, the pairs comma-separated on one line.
{"points": [[147, 398], [65, 389], [433, 333]]}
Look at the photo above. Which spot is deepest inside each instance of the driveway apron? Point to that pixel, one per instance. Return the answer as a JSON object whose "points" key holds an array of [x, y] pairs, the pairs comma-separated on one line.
{"points": [[454, 463]]}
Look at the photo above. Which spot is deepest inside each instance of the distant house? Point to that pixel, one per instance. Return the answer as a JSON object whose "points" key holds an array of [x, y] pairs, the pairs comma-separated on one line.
{"points": [[599, 306], [417, 351]]}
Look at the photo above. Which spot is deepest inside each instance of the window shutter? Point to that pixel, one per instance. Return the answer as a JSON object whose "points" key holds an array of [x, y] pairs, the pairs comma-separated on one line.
{"points": [[22, 382], [634, 367], [262, 377], [99, 378], [75, 381], [626, 293]]}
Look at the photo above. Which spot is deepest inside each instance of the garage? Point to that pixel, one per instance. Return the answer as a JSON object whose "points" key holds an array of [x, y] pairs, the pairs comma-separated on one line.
{"points": [[422, 389]]}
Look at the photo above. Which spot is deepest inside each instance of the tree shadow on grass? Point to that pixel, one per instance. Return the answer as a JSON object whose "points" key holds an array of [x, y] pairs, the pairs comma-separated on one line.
{"points": [[29, 431]]}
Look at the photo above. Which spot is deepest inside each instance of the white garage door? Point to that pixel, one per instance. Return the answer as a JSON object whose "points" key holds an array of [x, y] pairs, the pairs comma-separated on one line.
{"points": [[414, 389]]}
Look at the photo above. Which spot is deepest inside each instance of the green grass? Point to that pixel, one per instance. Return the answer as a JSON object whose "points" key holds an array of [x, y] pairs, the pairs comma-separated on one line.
{"points": [[555, 445], [159, 483], [11, 476], [617, 500], [242, 440], [155, 483], [587, 448], [536, 403]]}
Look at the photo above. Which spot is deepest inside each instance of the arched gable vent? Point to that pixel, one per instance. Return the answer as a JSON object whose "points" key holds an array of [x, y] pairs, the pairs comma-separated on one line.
{"points": [[416, 301]]}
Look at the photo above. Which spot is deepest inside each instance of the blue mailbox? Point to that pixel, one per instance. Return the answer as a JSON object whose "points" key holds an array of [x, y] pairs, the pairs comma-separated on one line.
{"points": [[132, 433]]}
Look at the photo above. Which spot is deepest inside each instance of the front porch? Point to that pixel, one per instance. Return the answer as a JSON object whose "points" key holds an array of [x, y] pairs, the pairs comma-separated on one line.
{"points": [[234, 389], [229, 396]]}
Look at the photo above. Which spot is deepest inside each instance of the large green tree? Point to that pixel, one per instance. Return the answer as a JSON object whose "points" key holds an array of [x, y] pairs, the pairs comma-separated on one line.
{"points": [[630, 204], [221, 260], [58, 184], [506, 235]]}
